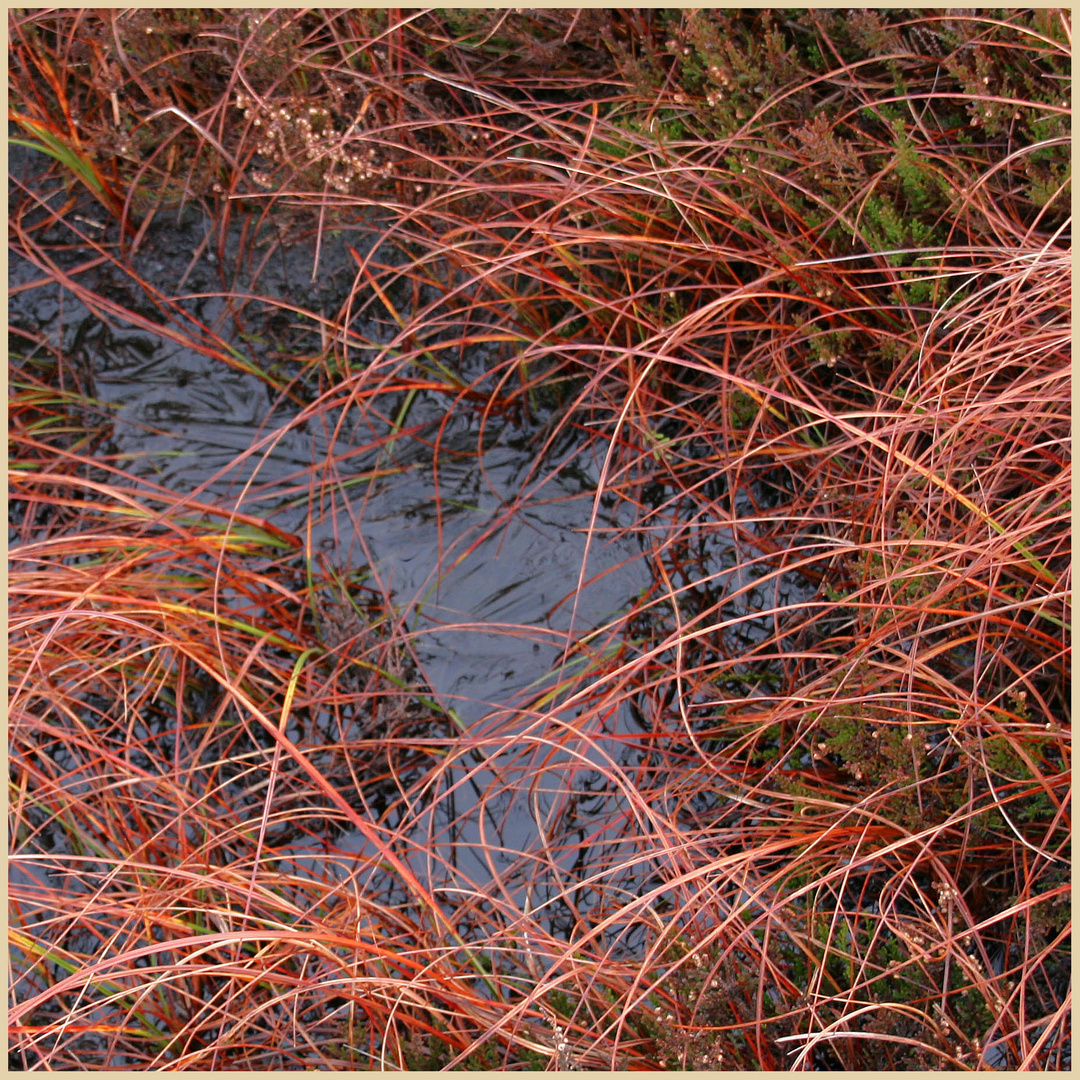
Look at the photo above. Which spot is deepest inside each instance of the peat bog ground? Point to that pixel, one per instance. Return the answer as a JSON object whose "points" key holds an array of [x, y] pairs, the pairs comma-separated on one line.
{"points": [[539, 539]]}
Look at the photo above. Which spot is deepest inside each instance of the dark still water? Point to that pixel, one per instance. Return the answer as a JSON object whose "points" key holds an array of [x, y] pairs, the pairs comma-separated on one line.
{"points": [[481, 546]]}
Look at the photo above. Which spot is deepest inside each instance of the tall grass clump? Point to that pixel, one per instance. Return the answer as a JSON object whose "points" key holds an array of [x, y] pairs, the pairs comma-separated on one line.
{"points": [[796, 286]]}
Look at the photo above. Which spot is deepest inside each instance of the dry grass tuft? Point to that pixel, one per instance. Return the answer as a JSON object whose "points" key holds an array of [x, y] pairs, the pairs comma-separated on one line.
{"points": [[799, 283]]}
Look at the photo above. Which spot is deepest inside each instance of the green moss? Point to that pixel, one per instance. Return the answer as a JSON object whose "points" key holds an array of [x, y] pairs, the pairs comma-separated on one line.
{"points": [[742, 409]]}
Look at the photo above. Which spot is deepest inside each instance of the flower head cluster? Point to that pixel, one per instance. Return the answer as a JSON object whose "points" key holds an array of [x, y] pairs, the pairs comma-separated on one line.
{"points": [[306, 136]]}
